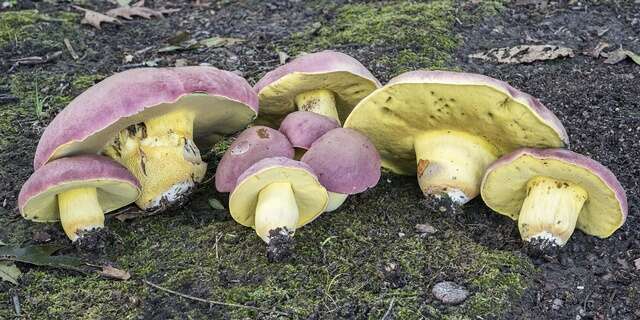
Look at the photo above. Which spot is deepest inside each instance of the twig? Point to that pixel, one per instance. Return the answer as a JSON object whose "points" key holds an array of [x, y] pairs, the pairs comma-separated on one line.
{"points": [[186, 296], [73, 53], [16, 305], [35, 60], [386, 314], [218, 237]]}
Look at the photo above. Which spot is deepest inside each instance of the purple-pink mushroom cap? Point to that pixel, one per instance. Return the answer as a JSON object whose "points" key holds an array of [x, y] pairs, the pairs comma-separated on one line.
{"points": [[223, 102], [302, 128], [116, 186], [345, 161], [252, 145]]}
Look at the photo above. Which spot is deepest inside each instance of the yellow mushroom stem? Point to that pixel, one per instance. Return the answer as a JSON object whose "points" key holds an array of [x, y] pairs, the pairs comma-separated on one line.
{"points": [[550, 210], [452, 162], [335, 200], [80, 211], [161, 154], [276, 208], [319, 101]]}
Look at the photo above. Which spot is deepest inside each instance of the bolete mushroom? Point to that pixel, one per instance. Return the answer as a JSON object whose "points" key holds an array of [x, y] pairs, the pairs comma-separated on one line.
{"points": [[148, 119], [346, 163], [77, 191], [328, 83], [277, 196], [552, 191], [448, 127], [252, 145], [302, 128]]}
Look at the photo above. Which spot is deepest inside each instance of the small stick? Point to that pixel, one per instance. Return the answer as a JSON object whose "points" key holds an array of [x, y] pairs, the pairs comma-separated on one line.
{"points": [[73, 53], [386, 314], [212, 301], [16, 305]]}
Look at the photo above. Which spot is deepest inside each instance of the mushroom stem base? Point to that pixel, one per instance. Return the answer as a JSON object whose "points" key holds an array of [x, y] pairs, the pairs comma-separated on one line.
{"points": [[452, 163], [550, 210], [276, 208], [80, 211], [161, 154], [335, 200], [319, 101]]}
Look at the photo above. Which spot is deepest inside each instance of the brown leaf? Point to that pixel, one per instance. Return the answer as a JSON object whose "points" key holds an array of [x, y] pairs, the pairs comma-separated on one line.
{"points": [[619, 55], [95, 18], [130, 12], [597, 51], [524, 54], [114, 273]]}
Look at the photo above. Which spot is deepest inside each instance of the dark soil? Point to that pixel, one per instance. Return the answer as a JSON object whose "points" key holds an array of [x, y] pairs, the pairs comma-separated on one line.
{"points": [[370, 244]]}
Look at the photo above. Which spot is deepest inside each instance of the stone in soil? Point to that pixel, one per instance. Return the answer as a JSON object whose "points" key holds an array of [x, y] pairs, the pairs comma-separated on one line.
{"points": [[450, 292]]}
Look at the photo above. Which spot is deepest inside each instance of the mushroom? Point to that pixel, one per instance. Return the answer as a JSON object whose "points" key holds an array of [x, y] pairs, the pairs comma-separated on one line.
{"points": [[254, 144], [552, 191], [328, 83], [148, 119], [77, 191], [302, 128], [276, 196], [346, 163], [448, 127]]}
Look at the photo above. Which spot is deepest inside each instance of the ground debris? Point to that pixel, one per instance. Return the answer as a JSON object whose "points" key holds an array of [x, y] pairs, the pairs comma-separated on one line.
{"points": [[449, 292], [524, 54], [9, 272], [425, 228], [94, 18], [619, 55], [114, 273]]}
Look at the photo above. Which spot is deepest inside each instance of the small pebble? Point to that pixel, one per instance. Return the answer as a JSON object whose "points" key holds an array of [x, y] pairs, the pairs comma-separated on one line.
{"points": [[449, 292], [401, 234], [636, 262], [557, 303], [425, 228]]}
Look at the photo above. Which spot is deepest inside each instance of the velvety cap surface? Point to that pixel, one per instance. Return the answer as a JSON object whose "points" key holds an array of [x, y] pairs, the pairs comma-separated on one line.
{"points": [[303, 127], [115, 185], [345, 161], [421, 101], [222, 101], [505, 183], [347, 78], [311, 196], [251, 146]]}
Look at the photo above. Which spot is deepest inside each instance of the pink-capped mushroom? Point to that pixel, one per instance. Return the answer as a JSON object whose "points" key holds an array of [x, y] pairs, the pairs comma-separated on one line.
{"points": [[346, 163], [550, 192], [328, 83], [448, 127], [252, 145], [277, 196], [302, 128], [152, 121], [77, 191]]}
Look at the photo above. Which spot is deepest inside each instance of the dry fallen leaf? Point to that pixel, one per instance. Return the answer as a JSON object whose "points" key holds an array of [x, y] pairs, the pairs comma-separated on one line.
{"points": [[130, 12], [215, 42], [95, 18], [115, 273], [619, 55], [597, 51], [9, 272], [524, 54]]}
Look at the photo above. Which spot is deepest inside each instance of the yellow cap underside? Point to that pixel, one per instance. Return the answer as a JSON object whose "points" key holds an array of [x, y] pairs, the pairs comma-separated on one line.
{"points": [[505, 188]]}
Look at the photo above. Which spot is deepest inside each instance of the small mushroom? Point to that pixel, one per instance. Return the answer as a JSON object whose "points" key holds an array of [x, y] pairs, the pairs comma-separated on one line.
{"points": [[302, 128], [252, 145], [276, 196], [346, 163], [77, 191], [328, 83], [448, 127], [552, 191], [149, 120]]}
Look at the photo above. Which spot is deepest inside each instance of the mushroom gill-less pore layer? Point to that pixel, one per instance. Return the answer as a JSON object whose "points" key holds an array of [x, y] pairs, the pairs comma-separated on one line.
{"points": [[504, 187]]}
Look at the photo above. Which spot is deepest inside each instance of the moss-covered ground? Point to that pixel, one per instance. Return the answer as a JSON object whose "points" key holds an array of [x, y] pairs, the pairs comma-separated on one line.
{"points": [[342, 262]]}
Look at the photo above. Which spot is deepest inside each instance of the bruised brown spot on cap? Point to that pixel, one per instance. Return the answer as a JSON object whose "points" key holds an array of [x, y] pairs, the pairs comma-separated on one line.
{"points": [[422, 165], [263, 133]]}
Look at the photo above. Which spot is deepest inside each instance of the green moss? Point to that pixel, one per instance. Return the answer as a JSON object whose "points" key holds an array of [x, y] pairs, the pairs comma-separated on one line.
{"points": [[14, 25], [398, 36]]}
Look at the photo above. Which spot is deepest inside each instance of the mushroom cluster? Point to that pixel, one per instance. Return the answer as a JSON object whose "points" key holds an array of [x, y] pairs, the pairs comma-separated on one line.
{"points": [[466, 134], [276, 194], [137, 135]]}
